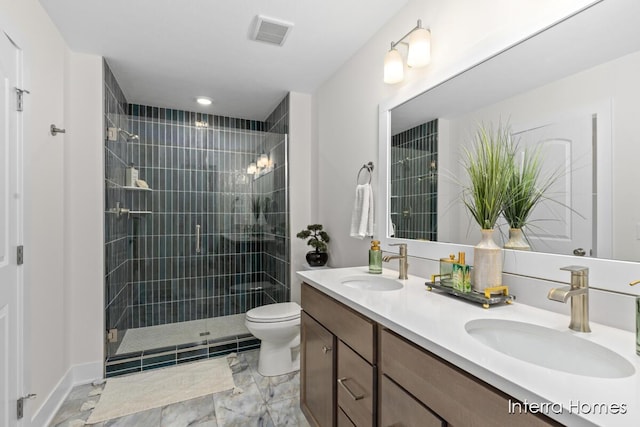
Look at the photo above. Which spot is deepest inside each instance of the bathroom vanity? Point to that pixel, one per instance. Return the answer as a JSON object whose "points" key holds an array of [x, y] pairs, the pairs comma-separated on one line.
{"points": [[403, 356]]}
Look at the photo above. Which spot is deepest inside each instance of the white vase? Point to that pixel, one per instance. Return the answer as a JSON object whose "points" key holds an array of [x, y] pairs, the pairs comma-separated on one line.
{"points": [[517, 241], [487, 263]]}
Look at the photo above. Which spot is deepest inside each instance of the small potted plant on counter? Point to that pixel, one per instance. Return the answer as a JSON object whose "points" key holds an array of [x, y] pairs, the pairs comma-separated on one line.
{"points": [[318, 240]]}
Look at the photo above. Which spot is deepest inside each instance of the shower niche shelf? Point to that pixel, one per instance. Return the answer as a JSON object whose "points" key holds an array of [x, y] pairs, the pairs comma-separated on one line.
{"points": [[139, 212], [128, 187]]}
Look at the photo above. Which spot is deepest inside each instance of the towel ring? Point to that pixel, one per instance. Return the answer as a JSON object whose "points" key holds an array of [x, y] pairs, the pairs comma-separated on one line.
{"points": [[369, 168]]}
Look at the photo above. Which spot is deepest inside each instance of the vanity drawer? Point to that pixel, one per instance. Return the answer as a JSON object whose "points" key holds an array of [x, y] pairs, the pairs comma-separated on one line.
{"points": [[453, 394], [352, 328], [343, 420], [355, 386], [399, 409]]}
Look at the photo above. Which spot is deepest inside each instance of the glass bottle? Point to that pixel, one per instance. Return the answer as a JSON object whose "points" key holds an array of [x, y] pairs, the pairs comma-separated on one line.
{"points": [[375, 258]]}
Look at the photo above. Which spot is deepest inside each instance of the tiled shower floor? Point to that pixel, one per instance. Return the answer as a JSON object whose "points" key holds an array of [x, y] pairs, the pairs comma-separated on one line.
{"points": [[141, 339], [159, 346]]}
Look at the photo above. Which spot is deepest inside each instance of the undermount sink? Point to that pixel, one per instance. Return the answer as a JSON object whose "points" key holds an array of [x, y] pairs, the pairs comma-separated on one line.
{"points": [[549, 348], [371, 283]]}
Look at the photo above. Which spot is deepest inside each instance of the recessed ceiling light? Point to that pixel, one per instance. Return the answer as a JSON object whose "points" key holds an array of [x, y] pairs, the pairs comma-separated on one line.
{"points": [[203, 100]]}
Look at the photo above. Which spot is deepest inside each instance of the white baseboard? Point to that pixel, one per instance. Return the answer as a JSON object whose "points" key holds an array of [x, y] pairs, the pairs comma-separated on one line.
{"points": [[76, 375]]}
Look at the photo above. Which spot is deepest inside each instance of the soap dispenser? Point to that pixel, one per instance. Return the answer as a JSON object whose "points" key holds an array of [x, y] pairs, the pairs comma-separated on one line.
{"points": [[637, 319], [375, 258]]}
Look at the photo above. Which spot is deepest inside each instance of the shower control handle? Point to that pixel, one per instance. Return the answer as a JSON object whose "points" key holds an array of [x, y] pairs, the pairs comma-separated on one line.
{"points": [[197, 238]]}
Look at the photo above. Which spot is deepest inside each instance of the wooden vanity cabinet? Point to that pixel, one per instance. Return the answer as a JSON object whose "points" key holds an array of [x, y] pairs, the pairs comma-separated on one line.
{"points": [[355, 372], [338, 384], [317, 363], [448, 394]]}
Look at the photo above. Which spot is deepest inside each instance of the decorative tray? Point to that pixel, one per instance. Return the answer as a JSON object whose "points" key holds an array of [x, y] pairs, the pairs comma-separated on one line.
{"points": [[491, 296]]}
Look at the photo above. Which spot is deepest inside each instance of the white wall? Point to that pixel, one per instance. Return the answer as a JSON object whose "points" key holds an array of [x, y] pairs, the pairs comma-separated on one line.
{"points": [[44, 52], [346, 105], [84, 210], [299, 181], [63, 270]]}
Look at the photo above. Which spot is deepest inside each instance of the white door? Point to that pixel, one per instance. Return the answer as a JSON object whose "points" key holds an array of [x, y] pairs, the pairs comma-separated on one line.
{"points": [[565, 223], [10, 233]]}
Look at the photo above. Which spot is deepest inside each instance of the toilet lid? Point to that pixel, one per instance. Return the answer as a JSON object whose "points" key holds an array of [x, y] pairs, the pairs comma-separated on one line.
{"points": [[274, 312]]}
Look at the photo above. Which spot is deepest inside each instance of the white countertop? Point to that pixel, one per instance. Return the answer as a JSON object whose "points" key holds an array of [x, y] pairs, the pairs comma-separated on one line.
{"points": [[436, 322]]}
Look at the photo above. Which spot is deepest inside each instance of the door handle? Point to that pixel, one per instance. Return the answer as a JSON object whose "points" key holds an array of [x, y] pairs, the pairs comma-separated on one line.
{"points": [[326, 349], [198, 238], [579, 252]]}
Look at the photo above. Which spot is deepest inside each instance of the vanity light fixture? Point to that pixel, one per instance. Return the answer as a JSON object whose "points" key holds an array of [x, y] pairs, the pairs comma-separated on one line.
{"points": [[263, 164], [263, 161], [418, 55], [252, 169], [203, 100]]}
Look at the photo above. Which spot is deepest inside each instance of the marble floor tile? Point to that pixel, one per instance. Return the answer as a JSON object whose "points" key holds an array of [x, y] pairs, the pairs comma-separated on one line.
{"points": [[287, 413], [81, 391], [71, 411], [278, 388], [256, 401], [242, 409], [194, 412], [150, 418]]}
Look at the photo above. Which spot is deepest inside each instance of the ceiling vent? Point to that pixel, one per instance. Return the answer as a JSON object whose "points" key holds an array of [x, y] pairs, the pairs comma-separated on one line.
{"points": [[271, 30]]}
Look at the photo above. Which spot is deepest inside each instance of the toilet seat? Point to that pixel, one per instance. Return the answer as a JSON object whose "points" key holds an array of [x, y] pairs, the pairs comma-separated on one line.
{"points": [[273, 313]]}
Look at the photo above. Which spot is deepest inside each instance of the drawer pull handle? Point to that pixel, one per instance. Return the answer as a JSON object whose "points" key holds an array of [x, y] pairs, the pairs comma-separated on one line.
{"points": [[326, 349], [354, 396]]}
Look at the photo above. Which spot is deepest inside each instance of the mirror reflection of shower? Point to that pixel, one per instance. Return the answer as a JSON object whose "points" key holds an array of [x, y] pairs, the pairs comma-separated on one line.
{"points": [[414, 183]]}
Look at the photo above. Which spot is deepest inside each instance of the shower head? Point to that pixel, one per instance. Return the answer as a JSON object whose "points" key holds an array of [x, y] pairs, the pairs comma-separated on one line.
{"points": [[130, 136]]}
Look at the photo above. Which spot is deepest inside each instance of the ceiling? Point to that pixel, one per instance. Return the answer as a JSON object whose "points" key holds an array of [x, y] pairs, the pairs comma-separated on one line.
{"points": [[165, 53]]}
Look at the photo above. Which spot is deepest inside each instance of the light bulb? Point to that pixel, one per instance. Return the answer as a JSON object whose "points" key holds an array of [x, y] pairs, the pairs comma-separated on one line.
{"points": [[419, 48], [263, 160], [393, 67]]}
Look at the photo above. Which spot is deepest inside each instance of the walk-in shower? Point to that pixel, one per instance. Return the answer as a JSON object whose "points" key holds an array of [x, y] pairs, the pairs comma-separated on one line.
{"points": [[204, 243]]}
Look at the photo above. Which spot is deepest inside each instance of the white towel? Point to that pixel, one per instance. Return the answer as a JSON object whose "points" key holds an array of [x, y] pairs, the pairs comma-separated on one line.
{"points": [[391, 227], [362, 216]]}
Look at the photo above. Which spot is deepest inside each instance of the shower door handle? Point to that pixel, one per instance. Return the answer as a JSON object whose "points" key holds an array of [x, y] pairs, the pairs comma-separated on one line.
{"points": [[198, 238]]}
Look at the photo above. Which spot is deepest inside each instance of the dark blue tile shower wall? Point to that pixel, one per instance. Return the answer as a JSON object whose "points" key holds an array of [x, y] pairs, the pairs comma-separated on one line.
{"points": [[277, 260], [116, 248], [414, 182], [198, 176]]}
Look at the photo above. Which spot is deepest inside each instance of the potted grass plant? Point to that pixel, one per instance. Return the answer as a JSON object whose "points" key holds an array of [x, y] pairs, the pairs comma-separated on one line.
{"points": [[527, 187], [488, 164]]}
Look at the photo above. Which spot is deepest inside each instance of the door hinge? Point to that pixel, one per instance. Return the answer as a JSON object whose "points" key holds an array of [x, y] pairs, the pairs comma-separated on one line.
{"points": [[20, 98], [112, 335], [20, 255], [20, 405]]}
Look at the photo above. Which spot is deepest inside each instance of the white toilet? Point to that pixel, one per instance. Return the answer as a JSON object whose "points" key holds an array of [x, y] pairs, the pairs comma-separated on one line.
{"points": [[278, 328]]}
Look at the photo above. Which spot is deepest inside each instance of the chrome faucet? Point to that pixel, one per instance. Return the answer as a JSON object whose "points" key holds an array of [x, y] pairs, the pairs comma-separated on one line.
{"points": [[402, 258], [579, 294]]}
